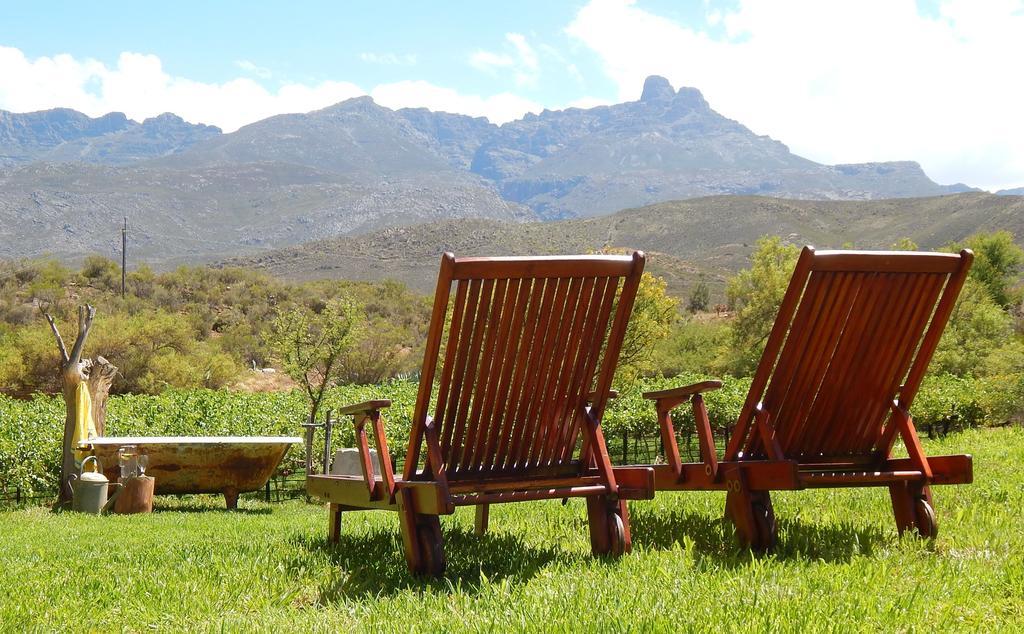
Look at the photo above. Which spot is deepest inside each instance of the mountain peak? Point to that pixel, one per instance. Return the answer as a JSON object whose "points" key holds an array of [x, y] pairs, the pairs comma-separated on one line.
{"points": [[657, 88], [691, 98]]}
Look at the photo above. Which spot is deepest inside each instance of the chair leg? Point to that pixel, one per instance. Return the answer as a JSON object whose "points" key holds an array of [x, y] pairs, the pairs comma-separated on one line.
{"points": [[902, 506], [421, 539], [609, 526], [597, 518], [482, 514], [764, 515], [410, 536], [751, 513], [334, 524]]}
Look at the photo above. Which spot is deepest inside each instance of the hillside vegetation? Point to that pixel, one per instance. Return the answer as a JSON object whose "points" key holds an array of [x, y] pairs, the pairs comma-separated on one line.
{"points": [[687, 239], [192, 327], [30, 430], [199, 327]]}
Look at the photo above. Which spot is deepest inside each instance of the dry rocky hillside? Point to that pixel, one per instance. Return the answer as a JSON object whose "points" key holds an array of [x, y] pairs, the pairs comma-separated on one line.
{"points": [[686, 239]]}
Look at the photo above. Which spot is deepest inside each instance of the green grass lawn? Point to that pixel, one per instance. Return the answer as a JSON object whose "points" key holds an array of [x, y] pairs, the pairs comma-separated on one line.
{"points": [[839, 567]]}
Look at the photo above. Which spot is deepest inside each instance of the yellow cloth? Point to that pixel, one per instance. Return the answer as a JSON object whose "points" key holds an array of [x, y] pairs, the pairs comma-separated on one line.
{"points": [[85, 428]]}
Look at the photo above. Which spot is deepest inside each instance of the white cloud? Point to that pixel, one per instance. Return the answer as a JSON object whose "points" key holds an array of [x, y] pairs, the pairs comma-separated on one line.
{"points": [[490, 62], [498, 108], [138, 86], [843, 82], [389, 59], [518, 56], [249, 67]]}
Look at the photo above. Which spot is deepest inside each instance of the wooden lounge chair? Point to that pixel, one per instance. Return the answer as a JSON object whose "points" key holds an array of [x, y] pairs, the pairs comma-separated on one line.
{"points": [[834, 388], [522, 373]]}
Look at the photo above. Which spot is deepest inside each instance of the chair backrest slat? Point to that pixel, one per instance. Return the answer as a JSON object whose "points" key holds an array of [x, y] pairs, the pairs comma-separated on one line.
{"points": [[866, 315], [804, 353], [904, 331], [512, 421], [454, 422], [853, 326], [816, 354], [526, 408], [548, 361], [451, 351], [555, 415], [504, 355], [528, 339], [604, 294], [564, 307], [483, 376]]}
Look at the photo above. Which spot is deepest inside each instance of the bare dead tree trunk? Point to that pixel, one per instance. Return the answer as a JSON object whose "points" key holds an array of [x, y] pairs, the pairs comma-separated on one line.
{"points": [[73, 371], [101, 375]]}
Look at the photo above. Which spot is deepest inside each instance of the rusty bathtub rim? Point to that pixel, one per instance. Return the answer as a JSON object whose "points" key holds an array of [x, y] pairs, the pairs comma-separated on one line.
{"points": [[194, 440]]}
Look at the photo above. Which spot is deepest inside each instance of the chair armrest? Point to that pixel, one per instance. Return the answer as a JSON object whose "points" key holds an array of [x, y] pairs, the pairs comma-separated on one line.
{"points": [[665, 401], [365, 407], [372, 415], [683, 392]]}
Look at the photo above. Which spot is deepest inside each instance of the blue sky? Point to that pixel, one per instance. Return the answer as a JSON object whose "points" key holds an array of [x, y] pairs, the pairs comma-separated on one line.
{"points": [[837, 81], [311, 42]]}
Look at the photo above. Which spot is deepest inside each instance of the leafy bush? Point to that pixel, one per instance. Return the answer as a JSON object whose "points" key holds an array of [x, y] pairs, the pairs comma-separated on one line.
{"points": [[192, 327], [30, 430], [693, 346]]}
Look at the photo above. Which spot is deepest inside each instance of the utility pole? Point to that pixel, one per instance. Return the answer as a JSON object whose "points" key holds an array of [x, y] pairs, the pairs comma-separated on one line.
{"points": [[124, 253]]}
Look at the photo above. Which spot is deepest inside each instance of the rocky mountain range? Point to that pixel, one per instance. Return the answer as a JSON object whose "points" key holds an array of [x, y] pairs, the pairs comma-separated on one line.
{"points": [[191, 192], [63, 135]]}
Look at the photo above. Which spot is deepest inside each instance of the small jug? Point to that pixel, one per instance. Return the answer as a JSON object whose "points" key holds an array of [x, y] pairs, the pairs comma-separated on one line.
{"points": [[89, 490]]}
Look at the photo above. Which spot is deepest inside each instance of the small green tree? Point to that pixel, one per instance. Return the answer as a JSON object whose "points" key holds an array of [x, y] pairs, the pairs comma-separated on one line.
{"points": [[693, 346], [904, 244], [309, 345], [700, 297], [755, 294], [654, 312], [997, 264], [977, 328]]}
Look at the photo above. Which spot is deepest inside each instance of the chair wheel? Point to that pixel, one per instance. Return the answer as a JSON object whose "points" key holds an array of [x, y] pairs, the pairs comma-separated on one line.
{"points": [[924, 516], [616, 535]]}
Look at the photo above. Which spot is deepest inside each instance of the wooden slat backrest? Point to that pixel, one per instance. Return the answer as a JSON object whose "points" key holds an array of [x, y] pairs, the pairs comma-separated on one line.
{"points": [[527, 340], [852, 329]]}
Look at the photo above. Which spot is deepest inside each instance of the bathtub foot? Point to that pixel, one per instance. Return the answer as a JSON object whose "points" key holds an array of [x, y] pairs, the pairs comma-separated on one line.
{"points": [[231, 498]]}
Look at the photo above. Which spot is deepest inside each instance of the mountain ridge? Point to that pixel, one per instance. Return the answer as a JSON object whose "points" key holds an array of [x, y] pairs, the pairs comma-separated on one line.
{"points": [[66, 135], [356, 167]]}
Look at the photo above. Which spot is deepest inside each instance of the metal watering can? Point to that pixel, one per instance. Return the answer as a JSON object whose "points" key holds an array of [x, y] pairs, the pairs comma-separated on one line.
{"points": [[89, 490]]}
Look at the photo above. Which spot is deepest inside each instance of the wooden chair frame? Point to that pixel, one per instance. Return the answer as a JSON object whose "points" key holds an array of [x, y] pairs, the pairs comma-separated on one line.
{"points": [[758, 459], [520, 397]]}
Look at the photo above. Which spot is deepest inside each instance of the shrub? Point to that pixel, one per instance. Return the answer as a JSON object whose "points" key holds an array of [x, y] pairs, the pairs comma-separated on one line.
{"points": [[693, 346]]}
